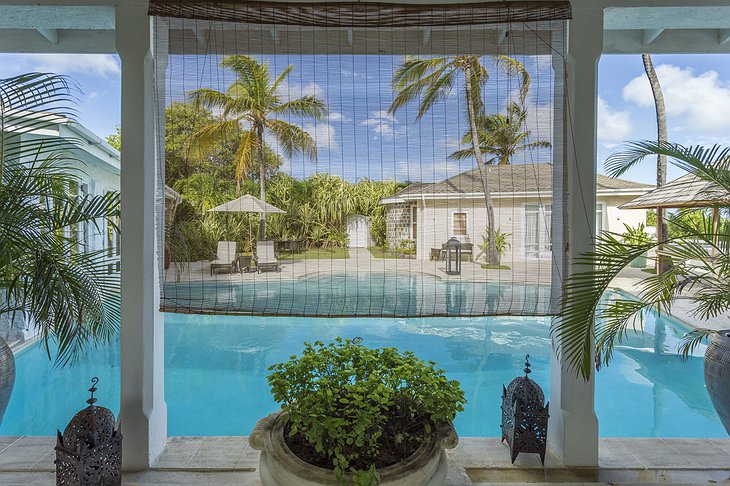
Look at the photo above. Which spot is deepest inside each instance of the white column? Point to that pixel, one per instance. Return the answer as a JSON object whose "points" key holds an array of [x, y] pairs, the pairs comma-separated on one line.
{"points": [[573, 430], [143, 411]]}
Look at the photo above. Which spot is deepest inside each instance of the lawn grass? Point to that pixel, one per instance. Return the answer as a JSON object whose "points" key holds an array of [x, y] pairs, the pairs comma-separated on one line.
{"points": [[649, 270], [380, 252], [496, 267], [317, 254]]}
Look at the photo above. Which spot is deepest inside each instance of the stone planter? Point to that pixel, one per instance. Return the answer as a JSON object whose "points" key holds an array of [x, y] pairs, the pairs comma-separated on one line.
{"points": [[7, 376], [717, 375], [640, 261], [278, 466]]}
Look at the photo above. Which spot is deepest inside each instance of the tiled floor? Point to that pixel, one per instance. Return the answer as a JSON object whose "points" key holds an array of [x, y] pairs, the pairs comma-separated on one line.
{"points": [[229, 461]]}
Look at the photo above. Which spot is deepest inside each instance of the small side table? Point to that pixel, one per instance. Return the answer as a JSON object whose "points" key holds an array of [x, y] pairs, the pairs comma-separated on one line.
{"points": [[244, 263]]}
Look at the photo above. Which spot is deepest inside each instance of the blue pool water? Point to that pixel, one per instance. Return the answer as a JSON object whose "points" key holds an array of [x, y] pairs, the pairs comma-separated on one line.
{"points": [[216, 370]]}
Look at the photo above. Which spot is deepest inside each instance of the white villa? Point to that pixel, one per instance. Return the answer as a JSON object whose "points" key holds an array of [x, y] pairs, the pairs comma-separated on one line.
{"points": [[431, 213]]}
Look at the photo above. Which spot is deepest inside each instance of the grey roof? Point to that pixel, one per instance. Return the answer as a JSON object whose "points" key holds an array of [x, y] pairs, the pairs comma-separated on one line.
{"points": [[518, 178], [687, 191]]}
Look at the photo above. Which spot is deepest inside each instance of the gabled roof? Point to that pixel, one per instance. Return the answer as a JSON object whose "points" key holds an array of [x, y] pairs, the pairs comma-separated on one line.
{"points": [[512, 180], [688, 191]]}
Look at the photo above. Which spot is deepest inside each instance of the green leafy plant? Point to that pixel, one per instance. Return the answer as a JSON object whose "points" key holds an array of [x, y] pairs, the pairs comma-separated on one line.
{"points": [[636, 234], [353, 404], [502, 243], [699, 270], [46, 273]]}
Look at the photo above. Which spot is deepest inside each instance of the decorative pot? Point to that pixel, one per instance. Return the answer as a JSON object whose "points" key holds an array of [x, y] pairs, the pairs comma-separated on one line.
{"points": [[279, 466], [717, 375], [7, 376], [639, 262]]}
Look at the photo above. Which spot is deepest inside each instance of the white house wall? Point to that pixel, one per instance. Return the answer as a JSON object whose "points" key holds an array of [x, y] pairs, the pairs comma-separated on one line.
{"points": [[435, 227]]}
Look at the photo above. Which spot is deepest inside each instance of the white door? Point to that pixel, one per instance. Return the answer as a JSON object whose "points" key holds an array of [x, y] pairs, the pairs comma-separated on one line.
{"points": [[357, 231]]}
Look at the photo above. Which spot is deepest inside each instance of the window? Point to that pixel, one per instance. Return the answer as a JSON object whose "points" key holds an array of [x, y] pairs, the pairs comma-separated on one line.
{"points": [[459, 224], [538, 229], [414, 223], [600, 216]]}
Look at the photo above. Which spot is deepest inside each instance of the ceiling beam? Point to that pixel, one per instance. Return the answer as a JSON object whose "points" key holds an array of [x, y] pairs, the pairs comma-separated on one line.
{"points": [[723, 36], [71, 42], [57, 17], [50, 34], [650, 35]]}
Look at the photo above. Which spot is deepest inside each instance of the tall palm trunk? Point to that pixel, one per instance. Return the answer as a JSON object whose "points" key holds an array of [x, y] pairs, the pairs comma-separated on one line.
{"points": [[492, 256], [661, 162], [262, 180]]}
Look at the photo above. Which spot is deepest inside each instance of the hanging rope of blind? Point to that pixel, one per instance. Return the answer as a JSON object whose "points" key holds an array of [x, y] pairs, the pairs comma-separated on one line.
{"points": [[338, 14], [324, 154]]}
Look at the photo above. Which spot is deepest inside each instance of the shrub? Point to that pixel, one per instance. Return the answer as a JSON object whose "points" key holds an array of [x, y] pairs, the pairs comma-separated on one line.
{"points": [[348, 401]]}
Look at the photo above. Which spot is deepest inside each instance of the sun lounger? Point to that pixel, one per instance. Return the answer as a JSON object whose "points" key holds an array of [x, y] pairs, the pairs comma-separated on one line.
{"points": [[225, 257], [265, 257]]}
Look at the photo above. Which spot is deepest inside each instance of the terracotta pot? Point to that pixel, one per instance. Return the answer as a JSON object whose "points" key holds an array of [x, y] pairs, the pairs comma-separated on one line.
{"points": [[7, 376], [717, 375], [279, 466]]}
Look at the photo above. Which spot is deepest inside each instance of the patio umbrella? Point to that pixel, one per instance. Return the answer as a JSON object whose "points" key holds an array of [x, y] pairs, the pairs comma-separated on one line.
{"points": [[247, 204]]}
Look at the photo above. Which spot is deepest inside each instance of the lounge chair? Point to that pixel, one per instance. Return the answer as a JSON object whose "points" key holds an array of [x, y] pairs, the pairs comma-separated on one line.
{"points": [[265, 257], [225, 257]]}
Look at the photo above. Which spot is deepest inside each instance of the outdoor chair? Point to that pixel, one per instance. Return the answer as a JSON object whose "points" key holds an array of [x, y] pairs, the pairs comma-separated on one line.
{"points": [[467, 251], [225, 257], [265, 257]]}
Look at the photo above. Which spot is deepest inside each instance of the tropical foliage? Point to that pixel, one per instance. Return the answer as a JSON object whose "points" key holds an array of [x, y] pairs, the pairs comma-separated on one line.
{"points": [[250, 108], [502, 243], [316, 211], [699, 270], [429, 80], [46, 274], [502, 135]]}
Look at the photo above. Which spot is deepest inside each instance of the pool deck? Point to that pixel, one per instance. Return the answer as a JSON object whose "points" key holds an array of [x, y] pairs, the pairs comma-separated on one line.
{"points": [[230, 461]]}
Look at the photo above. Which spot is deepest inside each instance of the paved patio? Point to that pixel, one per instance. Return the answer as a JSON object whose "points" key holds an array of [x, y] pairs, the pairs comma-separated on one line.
{"points": [[537, 271], [227, 461]]}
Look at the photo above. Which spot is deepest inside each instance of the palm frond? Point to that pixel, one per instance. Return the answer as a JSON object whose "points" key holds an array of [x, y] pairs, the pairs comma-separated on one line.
{"points": [[306, 106], [292, 138]]}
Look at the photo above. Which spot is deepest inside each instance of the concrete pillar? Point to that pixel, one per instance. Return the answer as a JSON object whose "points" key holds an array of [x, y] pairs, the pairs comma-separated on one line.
{"points": [[573, 423], [143, 410]]}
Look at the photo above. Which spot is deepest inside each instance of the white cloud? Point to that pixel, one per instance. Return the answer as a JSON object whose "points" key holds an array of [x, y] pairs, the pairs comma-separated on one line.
{"points": [[695, 102], [297, 90], [323, 133], [98, 64], [334, 116], [613, 126], [381, 122]]}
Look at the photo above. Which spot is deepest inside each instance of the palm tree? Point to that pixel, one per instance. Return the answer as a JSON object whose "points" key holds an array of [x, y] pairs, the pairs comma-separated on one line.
{"points": [[249, 108], [67, 294], [695, 273], [501, 135], [431, 79], [661, 160]]}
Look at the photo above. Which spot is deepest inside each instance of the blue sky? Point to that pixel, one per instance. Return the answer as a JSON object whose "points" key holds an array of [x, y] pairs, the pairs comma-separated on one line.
{"points": [[359, 139]]}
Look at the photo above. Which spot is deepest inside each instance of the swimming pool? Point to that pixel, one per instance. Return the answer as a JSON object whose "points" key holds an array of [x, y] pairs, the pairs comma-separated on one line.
{"points": [[216, 366]]}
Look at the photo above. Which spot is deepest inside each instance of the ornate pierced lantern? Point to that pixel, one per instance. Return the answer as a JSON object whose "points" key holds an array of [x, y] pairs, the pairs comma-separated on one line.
{"points": [[90, 450], [453, 257], [525, 416]]}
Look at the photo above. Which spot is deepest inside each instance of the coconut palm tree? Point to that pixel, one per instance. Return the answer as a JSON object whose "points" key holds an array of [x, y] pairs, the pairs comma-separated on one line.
{"points": [[502, 135], [249, 110], [44, 278], [694, 272], [661, 160], [431, 79]]}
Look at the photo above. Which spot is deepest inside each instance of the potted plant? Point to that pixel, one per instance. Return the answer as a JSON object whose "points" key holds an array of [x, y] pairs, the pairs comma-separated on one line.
{"points": [[357, 415], [699, 271], [637, 235], [502, 244], [45, 279]]}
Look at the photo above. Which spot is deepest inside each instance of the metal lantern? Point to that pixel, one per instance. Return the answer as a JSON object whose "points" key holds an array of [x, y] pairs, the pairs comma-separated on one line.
{"points": [[90, 450], [453, 257], [525, 416]]}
